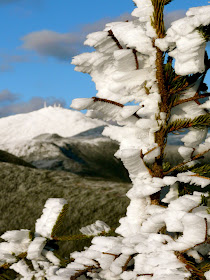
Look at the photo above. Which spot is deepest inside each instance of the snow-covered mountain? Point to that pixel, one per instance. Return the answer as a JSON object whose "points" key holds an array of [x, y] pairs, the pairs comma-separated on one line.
{"points": [[20, 128], [17, 131], [88, 154], [60, 139]]}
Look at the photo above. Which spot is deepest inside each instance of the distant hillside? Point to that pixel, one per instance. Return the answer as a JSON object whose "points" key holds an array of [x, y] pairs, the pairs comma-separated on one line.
{"points": [[24, 192], [88, 154], [7, 157]]}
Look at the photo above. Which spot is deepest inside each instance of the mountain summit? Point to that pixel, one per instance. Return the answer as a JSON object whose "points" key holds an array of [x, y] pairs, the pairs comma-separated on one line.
{"points": [[19, 128]]}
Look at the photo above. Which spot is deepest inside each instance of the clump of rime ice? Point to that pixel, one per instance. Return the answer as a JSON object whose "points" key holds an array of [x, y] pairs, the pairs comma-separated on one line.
{"points": [[113, 69], [52, 209], [185, 42], [95, 228], [20, 242]]}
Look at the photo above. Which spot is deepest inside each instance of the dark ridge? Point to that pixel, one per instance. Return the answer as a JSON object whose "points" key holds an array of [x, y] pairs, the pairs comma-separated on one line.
{"points": [[7, 157], [93, 132]]}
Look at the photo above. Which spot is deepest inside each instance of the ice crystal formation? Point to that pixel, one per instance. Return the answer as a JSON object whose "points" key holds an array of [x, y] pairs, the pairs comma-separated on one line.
{"points": [[151, 82]]}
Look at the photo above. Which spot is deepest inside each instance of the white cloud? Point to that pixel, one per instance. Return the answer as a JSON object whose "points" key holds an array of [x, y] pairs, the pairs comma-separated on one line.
{"points": [[63, 46], [49, 43], [100, 24], [7, 96], [172, 16], [35, 103], [7, 61]]}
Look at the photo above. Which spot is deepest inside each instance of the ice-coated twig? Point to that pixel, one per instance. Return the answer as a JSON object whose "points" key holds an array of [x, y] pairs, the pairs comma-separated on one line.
{"points": [[83, 272], [54, 210], [111, 34], [207, 240], [195, 97], [184, 163]]}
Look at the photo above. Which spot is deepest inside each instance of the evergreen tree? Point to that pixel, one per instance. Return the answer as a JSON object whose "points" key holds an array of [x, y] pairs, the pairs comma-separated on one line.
{"points": [[163, 73]]}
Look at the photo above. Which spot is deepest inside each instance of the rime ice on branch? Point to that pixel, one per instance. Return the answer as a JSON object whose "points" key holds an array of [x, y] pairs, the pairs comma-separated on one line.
{"points": [[159, 238], [21, 245], [132, 62]]}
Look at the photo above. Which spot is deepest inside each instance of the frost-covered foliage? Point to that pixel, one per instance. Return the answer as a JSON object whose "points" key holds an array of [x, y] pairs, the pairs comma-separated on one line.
{"points": [[95, 228], [159, 238], [21, 246]]}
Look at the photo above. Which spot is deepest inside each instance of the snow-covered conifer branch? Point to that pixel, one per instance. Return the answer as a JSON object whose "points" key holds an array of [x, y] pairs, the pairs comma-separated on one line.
{"points": [[157, 20], [200, 121], [195, 97], [167, 2], [185, 162], [111, 34], [59, 220], [206, 240], [201, 170], [205, 31], [177, 91], [189, 266], [84, 272], [53, 213], [82, 236], [97, 99], [201, 87]]}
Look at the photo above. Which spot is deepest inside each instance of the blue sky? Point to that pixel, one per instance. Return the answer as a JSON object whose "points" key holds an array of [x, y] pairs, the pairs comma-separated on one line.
{"points": [[38, 40]]}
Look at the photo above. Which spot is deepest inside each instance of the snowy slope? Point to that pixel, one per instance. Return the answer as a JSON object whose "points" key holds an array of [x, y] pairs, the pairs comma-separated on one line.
{"points": [[54, 120], [61, 139], [84, 154]]}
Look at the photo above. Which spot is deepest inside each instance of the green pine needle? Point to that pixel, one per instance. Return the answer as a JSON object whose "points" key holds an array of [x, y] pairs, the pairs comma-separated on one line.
{"points": [[201, 170], [173, 82], [205, 199], [185, 188], [59, 220], [167, 2], [134, 4], [205, 32], [198, 122], [157, 20]]}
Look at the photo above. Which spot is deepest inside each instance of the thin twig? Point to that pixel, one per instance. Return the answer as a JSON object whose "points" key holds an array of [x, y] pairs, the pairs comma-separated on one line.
{"points": [[195, 97], [126, 263], [136, 58], [82, 272], [111, 34], [150, 151], [114, 255], [145, 274], [189, 266], [183, 163], [200, 176], [206, 240], [96, 99]]}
